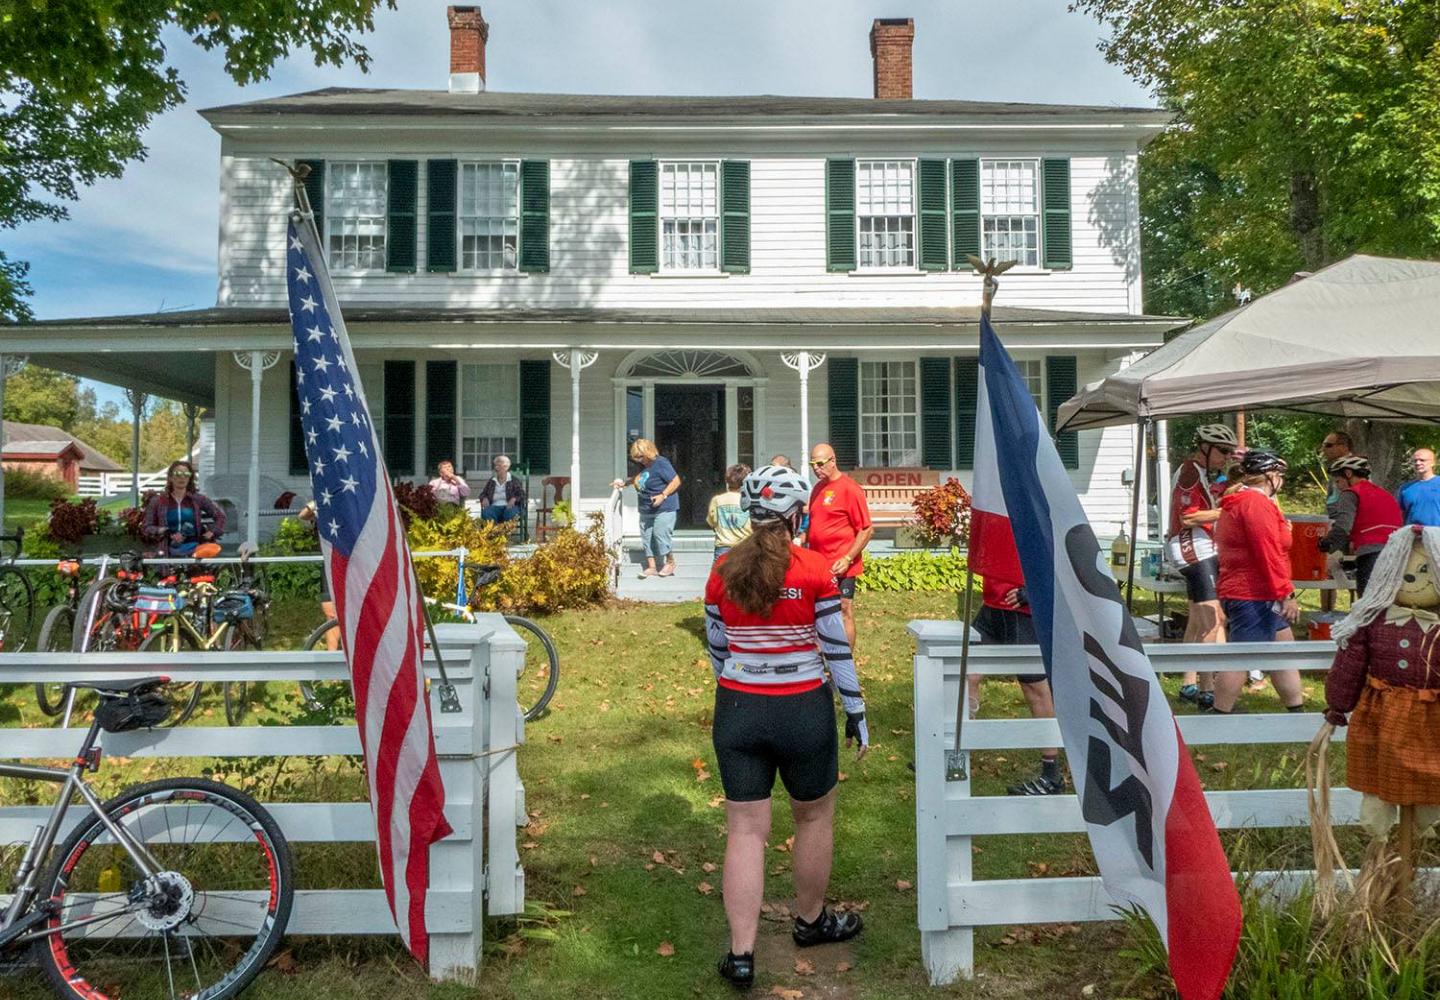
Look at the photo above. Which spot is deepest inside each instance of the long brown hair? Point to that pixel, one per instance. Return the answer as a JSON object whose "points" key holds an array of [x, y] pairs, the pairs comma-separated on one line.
{"points": [[191, 486], [754, 571]]}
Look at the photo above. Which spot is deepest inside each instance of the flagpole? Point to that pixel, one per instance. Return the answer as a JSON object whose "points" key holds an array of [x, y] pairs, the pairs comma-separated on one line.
{"points": [[449, 697], [1135, 482]]}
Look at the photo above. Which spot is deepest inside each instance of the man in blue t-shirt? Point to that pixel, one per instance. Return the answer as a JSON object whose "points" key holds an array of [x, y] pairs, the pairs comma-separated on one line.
{"points": [[1420, 498]]}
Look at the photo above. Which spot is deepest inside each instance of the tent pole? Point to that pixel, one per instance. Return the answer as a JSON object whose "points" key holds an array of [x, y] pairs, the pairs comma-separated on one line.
{"points": [[1134, 513]]}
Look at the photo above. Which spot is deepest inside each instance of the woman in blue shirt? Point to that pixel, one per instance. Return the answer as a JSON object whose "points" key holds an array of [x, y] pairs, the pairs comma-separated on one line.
{"points": [[657, 483]]}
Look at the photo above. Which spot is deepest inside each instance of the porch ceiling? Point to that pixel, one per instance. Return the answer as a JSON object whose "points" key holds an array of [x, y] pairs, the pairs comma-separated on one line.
{"points": [[175, 375]]}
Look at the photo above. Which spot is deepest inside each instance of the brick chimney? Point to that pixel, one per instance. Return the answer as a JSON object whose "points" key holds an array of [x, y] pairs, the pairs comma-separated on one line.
{"points": [[468, 35], [890, 41]]}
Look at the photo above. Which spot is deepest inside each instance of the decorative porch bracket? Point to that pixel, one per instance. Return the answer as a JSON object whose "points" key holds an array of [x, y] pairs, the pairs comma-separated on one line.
{"points": [[577, 361]]}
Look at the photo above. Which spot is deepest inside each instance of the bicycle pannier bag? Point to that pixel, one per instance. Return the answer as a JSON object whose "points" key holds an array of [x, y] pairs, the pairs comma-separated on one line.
{"points": [[158, 600], [234, 608], [132, 711]]}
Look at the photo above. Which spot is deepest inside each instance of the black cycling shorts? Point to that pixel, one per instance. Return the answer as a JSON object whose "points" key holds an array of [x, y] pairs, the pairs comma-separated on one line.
{"points": [[756, 735], [1007, 627], [846, 585], [1201, 579]]}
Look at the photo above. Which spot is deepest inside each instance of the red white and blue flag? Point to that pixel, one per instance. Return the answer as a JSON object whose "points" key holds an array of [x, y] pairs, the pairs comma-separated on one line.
{"points": [[1146, 816], [367, 563]]}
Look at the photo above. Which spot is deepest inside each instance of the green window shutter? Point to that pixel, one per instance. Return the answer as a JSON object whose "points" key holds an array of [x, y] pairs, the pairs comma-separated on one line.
{"points": [[1055, 179], [934, 228], [315, 191], [965, 211], [399, 441], [299, 464], [735, 216], [967, 398], [535, 216], [935, 413], [845, 411], [644, 217], [440, 191], [440, 402], [400, 211], [535, 416], [840, 215], [1061, 383]]}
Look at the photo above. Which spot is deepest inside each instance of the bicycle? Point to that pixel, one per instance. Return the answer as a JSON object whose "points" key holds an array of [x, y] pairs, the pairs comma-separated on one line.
{"points": [[173, 888], [57, 634], [17, 599], [542, 660]]}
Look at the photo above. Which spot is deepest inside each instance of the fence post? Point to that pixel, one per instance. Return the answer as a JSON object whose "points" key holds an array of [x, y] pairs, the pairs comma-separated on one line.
{"points": [[457, 864], [505, 879]]}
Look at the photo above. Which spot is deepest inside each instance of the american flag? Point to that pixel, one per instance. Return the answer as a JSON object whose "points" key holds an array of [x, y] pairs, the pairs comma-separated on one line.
{"points": [[368, 565]]}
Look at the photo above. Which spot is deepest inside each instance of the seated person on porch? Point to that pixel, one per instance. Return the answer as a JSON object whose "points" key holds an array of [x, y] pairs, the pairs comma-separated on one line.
{"points": [[181, 517], [448, 487], [503, 497]]}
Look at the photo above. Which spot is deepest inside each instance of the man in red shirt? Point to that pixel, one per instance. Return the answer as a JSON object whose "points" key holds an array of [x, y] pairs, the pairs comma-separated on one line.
{"points": [[839, 527]]}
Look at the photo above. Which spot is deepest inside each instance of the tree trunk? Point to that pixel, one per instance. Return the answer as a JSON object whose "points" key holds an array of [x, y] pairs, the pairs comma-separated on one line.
{"points": [[1381, 443], [1305, 220]]}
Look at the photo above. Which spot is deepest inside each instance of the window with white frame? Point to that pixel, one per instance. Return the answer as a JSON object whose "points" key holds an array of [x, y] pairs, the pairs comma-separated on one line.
{"points": [[885, 212], [1010, 210], [489, 222], [889, 414], [355, 215], [690, 216], [489, 415], [1033, 372]]}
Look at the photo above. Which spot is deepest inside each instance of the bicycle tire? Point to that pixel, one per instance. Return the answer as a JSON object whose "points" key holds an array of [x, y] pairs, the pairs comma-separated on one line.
{"points": [[237, 693], [94, 594], [17, 609], [183, 695], [552, 678], [68, 871], [57, 635], [325, 695]]}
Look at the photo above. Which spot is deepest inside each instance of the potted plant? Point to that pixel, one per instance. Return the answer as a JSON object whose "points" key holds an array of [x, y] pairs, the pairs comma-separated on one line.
{"points": [[942, 515]]}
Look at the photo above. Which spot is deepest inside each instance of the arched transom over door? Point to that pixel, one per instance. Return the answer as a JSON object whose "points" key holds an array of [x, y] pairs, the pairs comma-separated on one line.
{"points": [[690, 365]]}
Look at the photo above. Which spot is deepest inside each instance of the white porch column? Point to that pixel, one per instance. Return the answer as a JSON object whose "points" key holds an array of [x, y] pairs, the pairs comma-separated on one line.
{"points": [[255, 362], [190, 411], [804, 362], [577, 361], [10, 364], [1162, 473], [137, 401]]}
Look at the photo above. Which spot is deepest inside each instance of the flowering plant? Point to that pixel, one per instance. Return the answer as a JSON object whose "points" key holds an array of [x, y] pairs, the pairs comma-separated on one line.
{"points": [[416, 501], [942, 513]]}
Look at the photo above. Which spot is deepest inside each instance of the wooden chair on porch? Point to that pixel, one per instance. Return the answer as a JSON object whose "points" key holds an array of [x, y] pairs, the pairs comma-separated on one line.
{"points": [[553, 489]]}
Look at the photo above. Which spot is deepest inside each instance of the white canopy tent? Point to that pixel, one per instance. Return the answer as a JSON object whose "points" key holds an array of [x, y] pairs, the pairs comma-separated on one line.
{"points": [[1360, 338]]}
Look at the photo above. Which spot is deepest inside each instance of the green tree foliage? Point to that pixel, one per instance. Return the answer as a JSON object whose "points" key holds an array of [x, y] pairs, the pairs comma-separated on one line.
{"points": [[37, 395], [82, 79]]}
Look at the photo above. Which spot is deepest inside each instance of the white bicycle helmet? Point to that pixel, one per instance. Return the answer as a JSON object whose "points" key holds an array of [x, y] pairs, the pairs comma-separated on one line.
{"points": [[1358, 464], [773, 491], [1217, 434]]}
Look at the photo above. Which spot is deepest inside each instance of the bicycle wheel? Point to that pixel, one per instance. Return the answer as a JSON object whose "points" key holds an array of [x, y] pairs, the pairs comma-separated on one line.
{"points": [[237, 693], [109, 631], [335, 698], [56, 635], [541, 674], [17, 609], [205, 925], [184, 695]]}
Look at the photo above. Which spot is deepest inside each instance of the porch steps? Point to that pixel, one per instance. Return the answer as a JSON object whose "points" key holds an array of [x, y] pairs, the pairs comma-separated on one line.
{"points": [[692, 568]]}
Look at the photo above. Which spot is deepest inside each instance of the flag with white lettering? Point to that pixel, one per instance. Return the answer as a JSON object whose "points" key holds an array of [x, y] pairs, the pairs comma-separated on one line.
{"points": [[367, 563], [1146, 816]]}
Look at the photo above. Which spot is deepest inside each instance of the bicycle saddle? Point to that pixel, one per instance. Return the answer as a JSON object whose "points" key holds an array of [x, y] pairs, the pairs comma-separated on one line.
{"points": [[117, 687], [486, 574]]}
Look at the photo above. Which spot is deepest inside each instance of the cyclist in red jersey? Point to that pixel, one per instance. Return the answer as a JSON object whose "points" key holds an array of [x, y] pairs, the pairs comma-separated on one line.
{"points": [[1363, 518], [774, 628], [1190, 546]]}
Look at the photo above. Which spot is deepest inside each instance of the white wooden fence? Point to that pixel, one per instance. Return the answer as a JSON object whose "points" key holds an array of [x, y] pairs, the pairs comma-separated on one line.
{"points": [[473, 873], [114, 484], [952, 902]]}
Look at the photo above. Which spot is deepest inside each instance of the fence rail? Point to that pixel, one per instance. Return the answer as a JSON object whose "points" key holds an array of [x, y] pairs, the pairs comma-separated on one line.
{"points": [[475, 871], [114, 484], [951, 901]]}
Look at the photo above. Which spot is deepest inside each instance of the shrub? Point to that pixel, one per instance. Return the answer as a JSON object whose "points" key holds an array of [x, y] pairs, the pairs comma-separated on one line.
{"points": [[570, 571], [416, 501], [932, 571], [72, 520], [132, 519], [293, 580], [942, 513], [27, 484], [49, 586], [453, 528]]}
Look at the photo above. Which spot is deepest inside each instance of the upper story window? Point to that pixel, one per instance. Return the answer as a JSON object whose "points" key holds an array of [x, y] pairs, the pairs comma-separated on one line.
{"points": [[690, 216], [889, 414], [1010, 210], [885, 212], [355, 215], [489, 216]]}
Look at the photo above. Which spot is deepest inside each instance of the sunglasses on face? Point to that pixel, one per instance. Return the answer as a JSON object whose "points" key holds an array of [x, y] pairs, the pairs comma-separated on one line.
{"points": [[181, 474], [820, 464]]}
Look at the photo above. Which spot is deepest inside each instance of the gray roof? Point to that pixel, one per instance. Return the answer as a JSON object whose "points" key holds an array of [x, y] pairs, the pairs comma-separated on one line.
{"points": [[19, 436], [38, 447], [490, 104], [840, 316]]}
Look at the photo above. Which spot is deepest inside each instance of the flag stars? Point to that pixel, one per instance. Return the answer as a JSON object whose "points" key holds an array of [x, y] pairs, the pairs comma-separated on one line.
{"points": [[325, 497], [363, 450], [295, 244], [321, 365], [311, 437], [301, 274], [319, 466], [349, 392], [308, 304], [328, 394], [304, 406], [332, 424], [334, 527], [315, 334], [348, 484], [342, 453]]}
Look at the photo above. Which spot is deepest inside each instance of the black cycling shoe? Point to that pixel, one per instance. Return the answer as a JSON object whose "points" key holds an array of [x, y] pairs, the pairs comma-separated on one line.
{"points": [[738, 970], [1190, 693], [1205, 700], [830, 927], [1042, 784]]}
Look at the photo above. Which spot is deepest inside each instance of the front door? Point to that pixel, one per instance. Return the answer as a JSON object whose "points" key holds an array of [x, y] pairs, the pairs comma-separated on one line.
{"points": [[690, 432]]}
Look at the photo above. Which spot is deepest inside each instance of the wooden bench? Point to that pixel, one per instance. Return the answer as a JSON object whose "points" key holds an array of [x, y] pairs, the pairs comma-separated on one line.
{"points": [[891, 493]]}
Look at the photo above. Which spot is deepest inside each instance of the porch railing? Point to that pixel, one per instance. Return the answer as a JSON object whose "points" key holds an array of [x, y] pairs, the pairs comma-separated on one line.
{"points": [[114, 484]]}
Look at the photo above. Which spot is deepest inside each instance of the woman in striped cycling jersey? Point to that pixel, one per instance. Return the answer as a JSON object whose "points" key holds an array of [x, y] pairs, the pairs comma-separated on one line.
{"points": [[774, 626]]}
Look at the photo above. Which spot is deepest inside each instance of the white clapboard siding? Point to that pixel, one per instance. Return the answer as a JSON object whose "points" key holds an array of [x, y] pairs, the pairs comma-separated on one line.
{"points": [[476, 870], [589, 226], [951, 903]]}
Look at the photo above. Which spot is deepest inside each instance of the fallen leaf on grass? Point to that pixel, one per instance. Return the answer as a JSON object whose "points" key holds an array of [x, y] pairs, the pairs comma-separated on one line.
{"points": [[902, 885], [789, 843], [285, 964], [529, 845], [842, 967], [842, 776], [649, 866], [658, 857], [702, 775], [579, 890], [803, 967], [666, 949], [584, 796], [704, 888], [784, 994], [594, 861], [1219, 765], [717, 802], [708, 867]]}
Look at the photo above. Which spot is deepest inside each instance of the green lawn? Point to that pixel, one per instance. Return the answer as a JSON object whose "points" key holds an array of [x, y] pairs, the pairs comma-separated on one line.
{"points": [[626, 817]]}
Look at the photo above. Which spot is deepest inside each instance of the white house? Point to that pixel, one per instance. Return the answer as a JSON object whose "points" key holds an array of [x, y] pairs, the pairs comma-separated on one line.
{"points": [[674, 260]]}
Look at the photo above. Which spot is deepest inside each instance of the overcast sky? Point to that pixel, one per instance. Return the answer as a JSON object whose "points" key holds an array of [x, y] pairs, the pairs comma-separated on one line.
{"points": [[147, 241]]}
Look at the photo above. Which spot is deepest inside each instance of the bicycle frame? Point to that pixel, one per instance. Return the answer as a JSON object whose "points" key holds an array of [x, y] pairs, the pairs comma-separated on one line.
{"points": [[32, 864]]}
